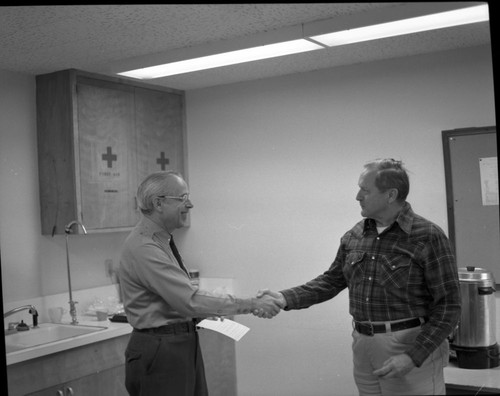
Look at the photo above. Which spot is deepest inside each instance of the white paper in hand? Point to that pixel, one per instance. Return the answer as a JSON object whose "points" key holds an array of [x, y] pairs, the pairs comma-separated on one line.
{"points": [[226, 327]]}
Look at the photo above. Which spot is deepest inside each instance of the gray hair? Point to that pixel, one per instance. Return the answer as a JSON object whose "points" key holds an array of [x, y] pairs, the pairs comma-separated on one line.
{"points": [[390, 174], [152, 186]]}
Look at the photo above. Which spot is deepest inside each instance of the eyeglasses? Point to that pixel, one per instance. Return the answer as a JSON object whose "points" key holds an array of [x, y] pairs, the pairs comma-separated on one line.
{"points": [[183, 198]]}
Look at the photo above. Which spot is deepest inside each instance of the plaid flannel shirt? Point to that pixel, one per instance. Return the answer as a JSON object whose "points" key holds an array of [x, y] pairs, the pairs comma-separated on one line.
{"points": [[406, 271]]}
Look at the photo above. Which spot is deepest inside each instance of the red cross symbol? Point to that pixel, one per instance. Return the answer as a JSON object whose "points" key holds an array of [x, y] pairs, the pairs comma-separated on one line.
{"points": [[162, 161], [109, 157]]}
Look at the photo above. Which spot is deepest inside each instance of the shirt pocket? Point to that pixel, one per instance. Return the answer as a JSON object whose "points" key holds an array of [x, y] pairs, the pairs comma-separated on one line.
{"points": [[394, 271], [353, 268]]}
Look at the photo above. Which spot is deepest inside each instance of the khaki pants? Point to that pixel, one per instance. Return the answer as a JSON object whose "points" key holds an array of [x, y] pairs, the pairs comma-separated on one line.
{"points": [[370, 352]]}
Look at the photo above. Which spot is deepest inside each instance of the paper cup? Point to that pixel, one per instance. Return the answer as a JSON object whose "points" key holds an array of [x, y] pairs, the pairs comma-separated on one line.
{"points": [[55, 314], [101, 315]]}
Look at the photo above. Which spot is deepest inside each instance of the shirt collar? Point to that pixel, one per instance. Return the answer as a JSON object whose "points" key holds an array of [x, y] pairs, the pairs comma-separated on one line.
{"points": [[149, 227], [404, 220]]}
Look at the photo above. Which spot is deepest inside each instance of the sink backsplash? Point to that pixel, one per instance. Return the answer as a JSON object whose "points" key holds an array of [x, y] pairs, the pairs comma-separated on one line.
{"points": [[85, 299]]}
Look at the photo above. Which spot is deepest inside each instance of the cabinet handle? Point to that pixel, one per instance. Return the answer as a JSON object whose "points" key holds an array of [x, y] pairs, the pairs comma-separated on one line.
{"points": [[59, 393], [69, 391]]}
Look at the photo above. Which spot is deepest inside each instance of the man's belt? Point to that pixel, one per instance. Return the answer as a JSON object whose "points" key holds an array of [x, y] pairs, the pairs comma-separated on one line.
{"points": [[370, 329], [174, 328]]}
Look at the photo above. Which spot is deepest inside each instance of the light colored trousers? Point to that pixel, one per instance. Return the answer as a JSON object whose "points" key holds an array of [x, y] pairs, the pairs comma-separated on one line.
{"points": [[370, 352]]}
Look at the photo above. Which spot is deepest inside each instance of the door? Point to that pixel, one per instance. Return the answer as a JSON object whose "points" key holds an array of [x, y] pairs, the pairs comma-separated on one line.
{"points": [[159, 131], [106, 157]]}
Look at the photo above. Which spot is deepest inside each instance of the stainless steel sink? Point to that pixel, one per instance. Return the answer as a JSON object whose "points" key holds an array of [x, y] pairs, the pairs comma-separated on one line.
{"points": [[46, 333]]}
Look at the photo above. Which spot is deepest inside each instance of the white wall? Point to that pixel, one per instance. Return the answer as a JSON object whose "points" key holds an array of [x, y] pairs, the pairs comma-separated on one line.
{"points": [[19, 208], [273, 168], [34, 265]]}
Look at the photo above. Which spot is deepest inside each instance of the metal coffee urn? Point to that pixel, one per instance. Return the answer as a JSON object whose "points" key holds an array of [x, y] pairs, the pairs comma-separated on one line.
{"points": [[474, 341]]}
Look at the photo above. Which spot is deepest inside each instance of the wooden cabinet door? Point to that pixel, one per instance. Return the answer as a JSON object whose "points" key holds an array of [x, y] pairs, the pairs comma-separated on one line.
{"points": [[159, 131], [219, 355], [110, 382], [106, 142], [52, 391]]}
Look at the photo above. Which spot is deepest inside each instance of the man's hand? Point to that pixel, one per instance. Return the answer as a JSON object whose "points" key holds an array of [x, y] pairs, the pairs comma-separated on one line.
{"points": [[396, 366], [268, 303]]}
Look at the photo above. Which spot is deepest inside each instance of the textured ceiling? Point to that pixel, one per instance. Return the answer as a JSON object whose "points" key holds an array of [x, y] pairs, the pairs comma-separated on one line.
{"points": [[43, 39]]}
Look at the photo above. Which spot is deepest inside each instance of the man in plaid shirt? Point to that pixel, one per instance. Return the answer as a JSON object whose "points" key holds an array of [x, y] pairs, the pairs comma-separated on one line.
{"points": [[404, 293]]}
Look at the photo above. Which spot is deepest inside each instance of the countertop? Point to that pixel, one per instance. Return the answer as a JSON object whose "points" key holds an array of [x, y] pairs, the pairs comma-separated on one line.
{"points": [[485, 379], [112, 329], [87, 297]]}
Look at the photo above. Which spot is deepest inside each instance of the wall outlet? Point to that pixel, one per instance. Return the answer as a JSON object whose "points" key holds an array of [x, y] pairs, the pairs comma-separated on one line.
{"points": [[108, 267]]}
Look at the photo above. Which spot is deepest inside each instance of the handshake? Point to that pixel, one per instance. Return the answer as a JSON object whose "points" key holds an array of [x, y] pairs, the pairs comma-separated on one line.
{"points": [[267, 303]]}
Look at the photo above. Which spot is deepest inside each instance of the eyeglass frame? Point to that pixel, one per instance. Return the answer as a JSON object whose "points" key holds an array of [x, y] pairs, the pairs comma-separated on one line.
{"points": [[183, 198]]}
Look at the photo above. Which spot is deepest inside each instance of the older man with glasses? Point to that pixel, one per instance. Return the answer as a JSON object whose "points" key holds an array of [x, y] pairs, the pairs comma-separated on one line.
{"points": [[163, 355]]}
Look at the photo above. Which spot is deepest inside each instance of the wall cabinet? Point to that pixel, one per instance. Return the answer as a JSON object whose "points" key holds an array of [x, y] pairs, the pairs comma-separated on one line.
{"points": [[98, 137]]}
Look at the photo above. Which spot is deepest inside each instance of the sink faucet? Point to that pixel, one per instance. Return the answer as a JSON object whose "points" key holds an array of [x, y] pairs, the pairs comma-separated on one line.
{"points": [[72, 308], [32, 311]]}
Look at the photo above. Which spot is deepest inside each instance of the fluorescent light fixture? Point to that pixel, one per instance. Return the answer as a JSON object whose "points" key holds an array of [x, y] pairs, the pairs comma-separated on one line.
{"points": [[224, 59], [406, 26]]}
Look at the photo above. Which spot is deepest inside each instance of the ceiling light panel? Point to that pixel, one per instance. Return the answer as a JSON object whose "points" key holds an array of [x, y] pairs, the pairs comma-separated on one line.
{"points": [[224, 59], [406, 26]]}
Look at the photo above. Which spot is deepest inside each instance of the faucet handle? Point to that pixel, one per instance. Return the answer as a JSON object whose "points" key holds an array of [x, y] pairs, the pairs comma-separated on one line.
{"points": [[22, 326]]}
